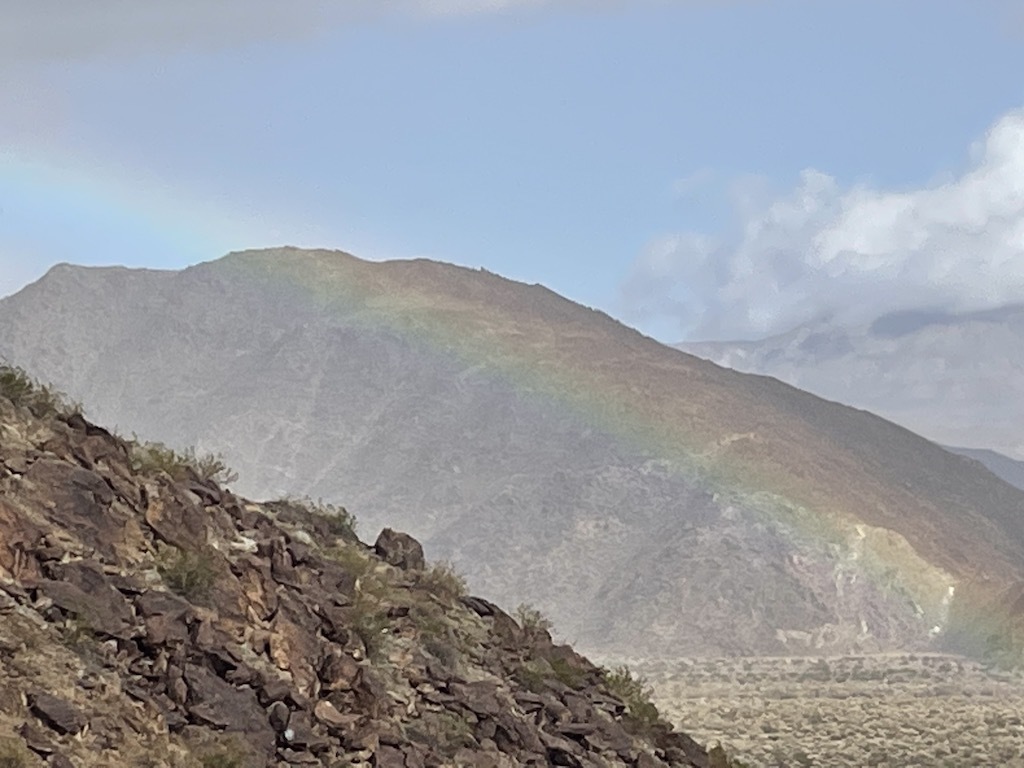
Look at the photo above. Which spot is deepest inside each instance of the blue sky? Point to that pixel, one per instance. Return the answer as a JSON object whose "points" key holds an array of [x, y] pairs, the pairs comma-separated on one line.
{"points": [[698, 169]]}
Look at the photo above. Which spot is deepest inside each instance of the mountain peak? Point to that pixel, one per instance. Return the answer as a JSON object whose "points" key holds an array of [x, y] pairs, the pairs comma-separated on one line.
{"points": [[553, 454]]}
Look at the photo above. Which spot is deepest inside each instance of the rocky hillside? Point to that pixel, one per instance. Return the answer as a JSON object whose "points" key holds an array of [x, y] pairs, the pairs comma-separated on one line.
{"points": [[653, 504], [152, 618]]}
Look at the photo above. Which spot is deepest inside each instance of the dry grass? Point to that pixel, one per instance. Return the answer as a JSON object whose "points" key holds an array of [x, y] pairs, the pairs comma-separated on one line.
{"points": [[841, 712]]}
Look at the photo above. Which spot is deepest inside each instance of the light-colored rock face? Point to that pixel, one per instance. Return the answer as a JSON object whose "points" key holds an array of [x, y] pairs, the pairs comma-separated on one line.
{"points": [[958, 380], [646, 501]]}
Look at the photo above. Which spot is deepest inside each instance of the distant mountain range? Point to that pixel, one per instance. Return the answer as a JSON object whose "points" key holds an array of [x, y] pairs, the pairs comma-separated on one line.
{"points": [[652, 503], [1010, 470], [956, 379]]}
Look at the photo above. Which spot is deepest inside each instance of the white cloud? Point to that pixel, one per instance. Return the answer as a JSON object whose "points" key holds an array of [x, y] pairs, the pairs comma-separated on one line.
{"points": [[855, 254]]}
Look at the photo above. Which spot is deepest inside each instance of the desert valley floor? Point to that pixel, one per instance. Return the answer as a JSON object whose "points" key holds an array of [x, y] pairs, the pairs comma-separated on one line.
{"points": [[847, 711]]}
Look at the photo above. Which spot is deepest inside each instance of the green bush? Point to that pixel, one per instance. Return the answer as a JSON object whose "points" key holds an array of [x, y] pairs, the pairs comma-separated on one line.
{"points": [[334, 518], [635, 693], [149, 458], [566, 673], [351, 558], [533, 675], [225, 758], [23, 391], [442, 578], [14, 754], [532, 620], [371, 626], [190, 574]]}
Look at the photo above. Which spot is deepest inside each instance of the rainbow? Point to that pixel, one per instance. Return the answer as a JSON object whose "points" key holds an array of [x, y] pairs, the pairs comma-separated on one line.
{"points": [[410, 299], [57, 208]]}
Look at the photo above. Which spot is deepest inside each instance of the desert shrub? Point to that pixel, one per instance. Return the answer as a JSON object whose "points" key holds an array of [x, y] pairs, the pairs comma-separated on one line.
{"points": [[536, 675], [442, 578], [370, 625], [340, 522], [78, 636], [566, 673], [533, 675], [719, 758], [149, 458], [14, 754], [190, 574], [351, 558], [332, 519], [225, 758], [532, 620], [444, 730], [229, 753], [819, 671], [23, 391], [635, 693], [444, 650]]}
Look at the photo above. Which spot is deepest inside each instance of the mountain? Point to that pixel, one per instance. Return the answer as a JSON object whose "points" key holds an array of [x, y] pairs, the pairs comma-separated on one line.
{"points": [[1001, 466], [956, 379], [652, 503], [153, 618]]}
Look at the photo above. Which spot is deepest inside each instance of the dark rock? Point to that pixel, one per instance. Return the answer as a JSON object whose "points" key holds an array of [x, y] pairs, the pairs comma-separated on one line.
{"points": [[300, 735], [278, 715], [339, 672], [213, 702], [58, 714], [81, 589], [36, 739], [178, 522], [645, 760], [389, 757], [400, 550], [155, 602], [77, 501], [479, 698]]}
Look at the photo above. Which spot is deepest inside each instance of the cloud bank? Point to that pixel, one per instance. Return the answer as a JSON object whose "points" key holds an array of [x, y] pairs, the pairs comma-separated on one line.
{"points": [[35, 31], [851, 255]]}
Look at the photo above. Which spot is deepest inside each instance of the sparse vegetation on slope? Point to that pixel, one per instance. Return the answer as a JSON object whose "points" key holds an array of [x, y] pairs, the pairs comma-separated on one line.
{"points": [[150, 457], [23, 391], [166, 623], [873, 710]]}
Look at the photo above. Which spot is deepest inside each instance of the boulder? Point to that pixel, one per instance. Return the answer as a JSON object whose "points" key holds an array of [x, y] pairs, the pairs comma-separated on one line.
{"points": [[400, 550]]}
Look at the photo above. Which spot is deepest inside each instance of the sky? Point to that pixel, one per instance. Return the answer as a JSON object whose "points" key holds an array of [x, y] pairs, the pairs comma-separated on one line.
{"points": [[698, 169]]}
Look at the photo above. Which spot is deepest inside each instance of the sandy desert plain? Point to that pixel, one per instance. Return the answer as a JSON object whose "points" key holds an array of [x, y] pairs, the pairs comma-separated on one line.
{"points": [[847, 711]]}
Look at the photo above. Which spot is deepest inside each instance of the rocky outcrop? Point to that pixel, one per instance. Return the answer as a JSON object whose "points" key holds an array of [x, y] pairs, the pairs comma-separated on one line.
{"points": [[148, 620]]}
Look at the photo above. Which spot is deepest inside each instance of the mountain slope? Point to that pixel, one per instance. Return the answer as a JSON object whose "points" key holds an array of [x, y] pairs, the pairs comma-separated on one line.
{"points": [[651, 502], [150, 617], [1003, 467], [956, 379]]}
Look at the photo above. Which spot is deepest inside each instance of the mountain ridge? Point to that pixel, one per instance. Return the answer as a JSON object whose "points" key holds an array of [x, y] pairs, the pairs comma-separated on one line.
{"points": [[955, 378], [517, 431]]}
